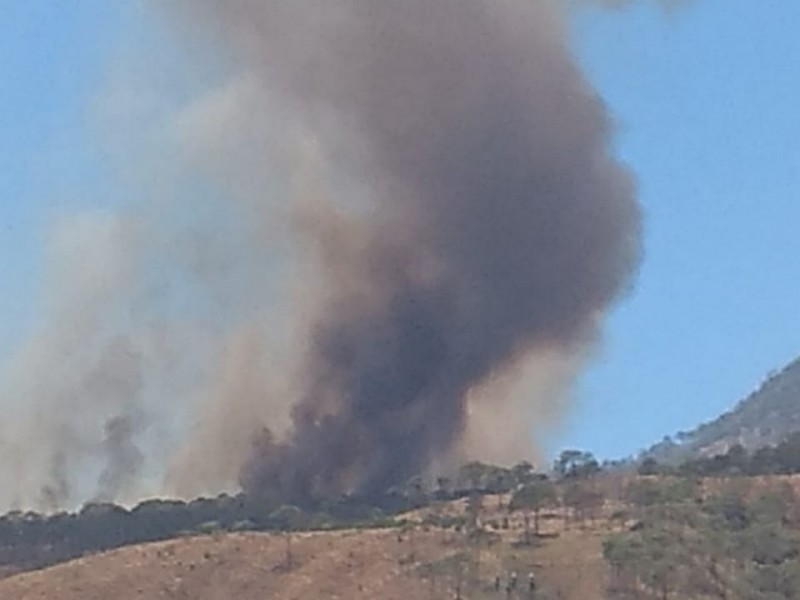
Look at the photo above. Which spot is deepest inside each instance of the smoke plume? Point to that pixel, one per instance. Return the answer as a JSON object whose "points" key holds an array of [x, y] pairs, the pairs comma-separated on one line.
{"points": [[72, 380], [381, 242], [488, 221]]}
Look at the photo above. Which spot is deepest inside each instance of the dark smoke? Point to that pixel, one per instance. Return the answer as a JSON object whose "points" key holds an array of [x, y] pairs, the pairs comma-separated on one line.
{"points": [[496, 222]]}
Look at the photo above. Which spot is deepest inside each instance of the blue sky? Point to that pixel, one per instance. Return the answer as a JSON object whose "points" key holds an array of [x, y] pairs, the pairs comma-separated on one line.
{"points": [[53, 57], [706, 101]]}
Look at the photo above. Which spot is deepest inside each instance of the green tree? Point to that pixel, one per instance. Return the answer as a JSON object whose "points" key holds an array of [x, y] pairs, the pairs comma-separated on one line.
{"points": [[576, 464], [522, 472]]}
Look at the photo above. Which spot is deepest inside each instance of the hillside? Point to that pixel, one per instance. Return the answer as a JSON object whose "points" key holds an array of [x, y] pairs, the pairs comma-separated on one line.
{"points": [[417, 562], [602, 537], [241, 566], [765, 417]]}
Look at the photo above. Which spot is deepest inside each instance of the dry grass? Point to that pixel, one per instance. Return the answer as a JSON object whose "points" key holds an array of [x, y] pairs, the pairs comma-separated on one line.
{"points": [[239, 566], [415, 564], [346, 565]]}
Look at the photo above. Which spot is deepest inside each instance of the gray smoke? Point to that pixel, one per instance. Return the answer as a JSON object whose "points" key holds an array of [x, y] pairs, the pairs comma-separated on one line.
{"points": [[485, 219], [72, 375], [380, 243]]}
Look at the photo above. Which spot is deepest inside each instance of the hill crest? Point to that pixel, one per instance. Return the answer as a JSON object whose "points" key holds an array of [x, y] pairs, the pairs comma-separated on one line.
{"points": [[766, 417]]}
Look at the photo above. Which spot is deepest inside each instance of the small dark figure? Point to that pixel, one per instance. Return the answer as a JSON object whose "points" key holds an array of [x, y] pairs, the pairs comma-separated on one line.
{"points": [[512, 582], [497, 583], [531, 584]]}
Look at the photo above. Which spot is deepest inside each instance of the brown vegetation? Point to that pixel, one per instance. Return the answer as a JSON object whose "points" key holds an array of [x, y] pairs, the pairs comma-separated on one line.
{"points": [[418, 561]]}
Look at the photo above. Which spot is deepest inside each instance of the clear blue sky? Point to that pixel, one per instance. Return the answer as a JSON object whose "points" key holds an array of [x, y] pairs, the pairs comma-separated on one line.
{"points": [[707, 104]]}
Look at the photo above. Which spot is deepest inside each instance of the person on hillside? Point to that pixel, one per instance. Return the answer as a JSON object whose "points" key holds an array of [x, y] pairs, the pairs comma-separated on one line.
{"points": [[511, 586]]}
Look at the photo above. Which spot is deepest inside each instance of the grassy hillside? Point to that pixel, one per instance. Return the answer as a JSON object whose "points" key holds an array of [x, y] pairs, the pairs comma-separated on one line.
{"points": [[242, 566], [605, 536], [417, 561]]}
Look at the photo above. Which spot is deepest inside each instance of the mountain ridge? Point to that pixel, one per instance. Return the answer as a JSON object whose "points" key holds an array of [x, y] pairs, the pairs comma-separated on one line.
{"points": [[765, 417]]}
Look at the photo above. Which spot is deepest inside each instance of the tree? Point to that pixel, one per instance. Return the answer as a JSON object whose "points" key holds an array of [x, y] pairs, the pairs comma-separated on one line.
{"points": [[522, 472], [444, 488], [737, 459], [622, 552], [472, 475], [645, 494], [474, 508], [498, 480], [583, 499], [287, 518], [765, 461], [662, 562], [533, 497], [788, 454], [104, 526], [649, 466], [576, 464]]}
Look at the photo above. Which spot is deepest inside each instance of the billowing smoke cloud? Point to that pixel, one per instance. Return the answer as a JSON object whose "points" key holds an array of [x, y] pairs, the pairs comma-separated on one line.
{"points": [[383, 243], [487, 222]]}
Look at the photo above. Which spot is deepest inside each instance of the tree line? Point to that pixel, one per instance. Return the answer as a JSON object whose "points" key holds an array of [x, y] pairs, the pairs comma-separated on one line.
{"points": [[781, 459], [31, 540]]}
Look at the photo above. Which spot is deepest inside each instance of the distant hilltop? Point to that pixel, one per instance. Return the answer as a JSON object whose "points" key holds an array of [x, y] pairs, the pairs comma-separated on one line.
{"points": [[765, 418]]}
